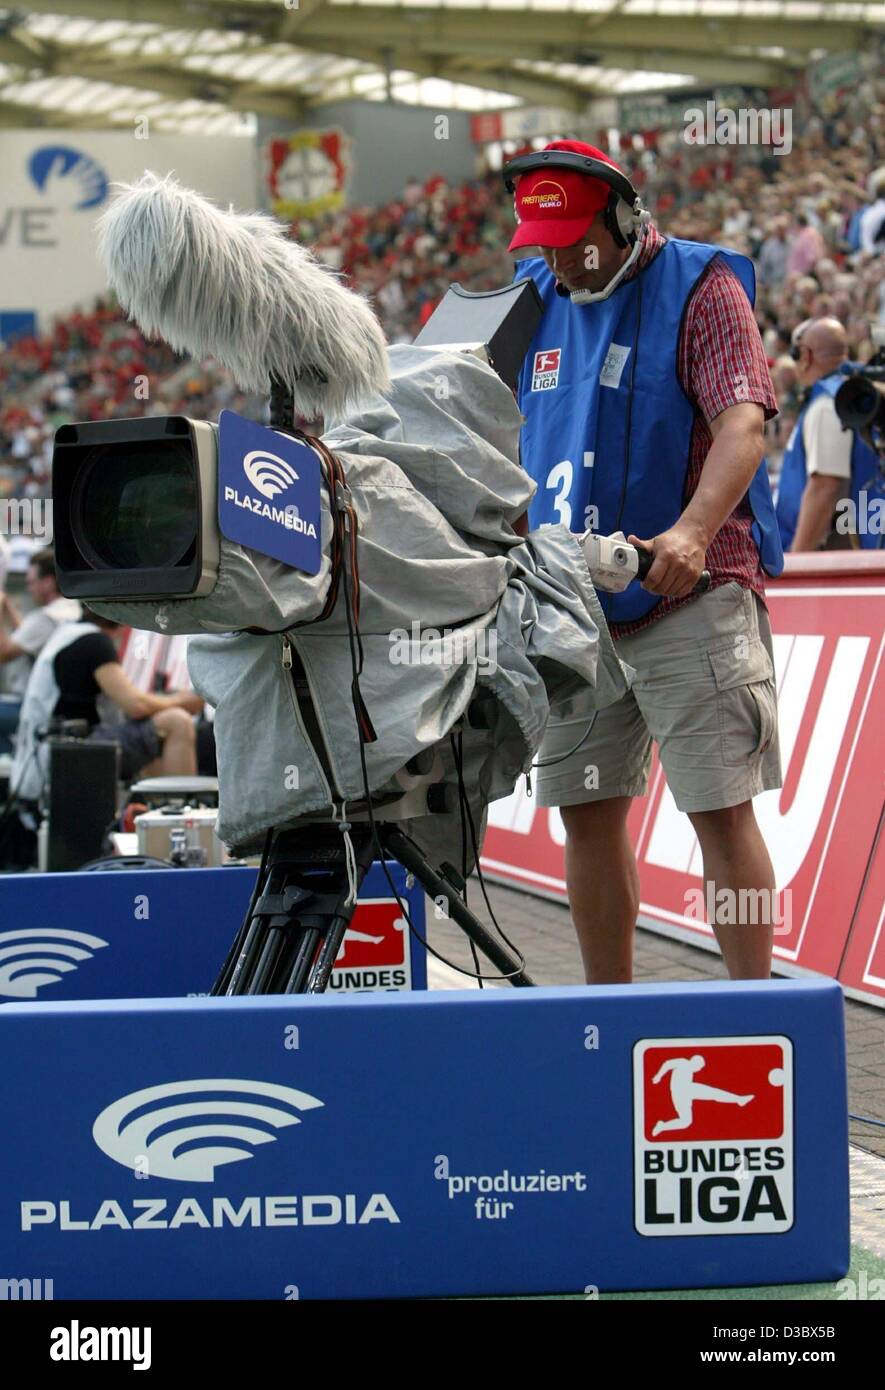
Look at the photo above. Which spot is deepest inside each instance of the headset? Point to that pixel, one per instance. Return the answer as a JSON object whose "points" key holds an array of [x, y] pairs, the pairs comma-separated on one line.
{"points": [[796, 341], [624, 215]]}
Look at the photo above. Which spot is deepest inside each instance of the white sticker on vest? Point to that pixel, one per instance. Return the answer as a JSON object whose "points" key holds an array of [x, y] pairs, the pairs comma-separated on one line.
{"points": [[613, 366]]}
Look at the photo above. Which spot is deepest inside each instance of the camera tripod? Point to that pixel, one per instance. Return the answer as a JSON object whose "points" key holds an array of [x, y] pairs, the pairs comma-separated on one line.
{"points": [[300, 911]]}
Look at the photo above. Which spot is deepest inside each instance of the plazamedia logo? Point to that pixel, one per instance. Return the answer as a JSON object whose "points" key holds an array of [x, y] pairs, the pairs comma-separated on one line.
{"points": [[713, 1136], [268, 473], [36, 956], [184, 1131]]}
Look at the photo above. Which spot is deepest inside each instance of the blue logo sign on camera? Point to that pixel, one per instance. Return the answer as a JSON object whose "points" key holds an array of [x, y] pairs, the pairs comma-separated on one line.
{"points": [[269, 492]]}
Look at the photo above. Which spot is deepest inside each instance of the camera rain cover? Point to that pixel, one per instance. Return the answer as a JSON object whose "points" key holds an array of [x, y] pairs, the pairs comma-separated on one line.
{"points": [[269, 493]]}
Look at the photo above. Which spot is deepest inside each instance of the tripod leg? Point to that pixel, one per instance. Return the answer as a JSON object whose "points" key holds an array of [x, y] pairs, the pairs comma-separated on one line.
{"points": [[298, 914], [296, 981], [273, 949], [400, 847], [239, 974], [257, 948]]}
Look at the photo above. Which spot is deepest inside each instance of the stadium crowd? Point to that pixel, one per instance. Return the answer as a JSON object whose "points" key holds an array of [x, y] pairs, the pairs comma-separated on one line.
{"points": [[813, 219]]}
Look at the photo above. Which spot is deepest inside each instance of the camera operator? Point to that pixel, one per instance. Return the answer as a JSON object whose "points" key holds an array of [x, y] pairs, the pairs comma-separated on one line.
{"points": [[660, 399], [23, 644], [823, 463], [78, 675]]}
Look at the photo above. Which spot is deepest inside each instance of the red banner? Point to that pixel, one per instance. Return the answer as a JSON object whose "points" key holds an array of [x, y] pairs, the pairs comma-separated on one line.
{"points": [[822, 829]]}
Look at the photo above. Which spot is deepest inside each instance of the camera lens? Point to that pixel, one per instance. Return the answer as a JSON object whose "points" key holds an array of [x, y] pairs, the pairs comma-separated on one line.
{"points": [[138, 509], [858, 402]]}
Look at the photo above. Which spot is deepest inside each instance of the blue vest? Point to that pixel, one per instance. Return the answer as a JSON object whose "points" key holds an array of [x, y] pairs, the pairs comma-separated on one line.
{"points": [[865, 473], [608, 425]]}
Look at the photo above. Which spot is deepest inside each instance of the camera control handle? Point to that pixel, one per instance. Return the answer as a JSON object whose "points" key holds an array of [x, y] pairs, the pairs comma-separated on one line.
{"points": [[646, 559]]}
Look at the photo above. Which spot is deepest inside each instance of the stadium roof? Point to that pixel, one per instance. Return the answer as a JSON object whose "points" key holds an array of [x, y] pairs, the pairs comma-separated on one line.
{"points": [[211, 66]]}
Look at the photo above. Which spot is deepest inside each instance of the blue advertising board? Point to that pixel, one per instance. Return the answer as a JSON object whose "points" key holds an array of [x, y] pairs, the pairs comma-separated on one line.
{"points": [[165, 933], [547, 1140]]}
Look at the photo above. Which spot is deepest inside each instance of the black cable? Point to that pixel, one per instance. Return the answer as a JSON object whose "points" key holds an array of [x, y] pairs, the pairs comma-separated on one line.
{"points": [[355, 645], [551, 762], [479, 874], [457, 742]]}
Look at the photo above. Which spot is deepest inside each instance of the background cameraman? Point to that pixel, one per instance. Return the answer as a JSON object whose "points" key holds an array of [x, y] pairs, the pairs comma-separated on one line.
{"points": [[822, 462], [20, 647]]}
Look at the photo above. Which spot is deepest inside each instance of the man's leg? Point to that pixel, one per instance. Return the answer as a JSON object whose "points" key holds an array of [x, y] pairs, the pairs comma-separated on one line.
{"points": [[179, 756], [591, 768], [603, 887], [706, 689], [735, 858]]}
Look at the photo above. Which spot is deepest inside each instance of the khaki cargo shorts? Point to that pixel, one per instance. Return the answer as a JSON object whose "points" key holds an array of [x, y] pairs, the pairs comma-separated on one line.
{"points": [[704, 691]]}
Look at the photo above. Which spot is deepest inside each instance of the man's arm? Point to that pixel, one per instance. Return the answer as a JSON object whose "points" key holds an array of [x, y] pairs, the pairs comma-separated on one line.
{"points": [[822, 492], [8, 649], [29, 637], [9, 614], [140, 704], [724, 371], [728, 471], [828, 465]]}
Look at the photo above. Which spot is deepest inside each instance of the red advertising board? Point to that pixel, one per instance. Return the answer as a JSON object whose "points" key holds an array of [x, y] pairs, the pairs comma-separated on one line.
{"points": [[822, 828]]}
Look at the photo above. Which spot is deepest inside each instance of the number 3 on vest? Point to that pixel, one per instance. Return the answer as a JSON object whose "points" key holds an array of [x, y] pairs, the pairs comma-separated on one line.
{"points": [[560, 477]]}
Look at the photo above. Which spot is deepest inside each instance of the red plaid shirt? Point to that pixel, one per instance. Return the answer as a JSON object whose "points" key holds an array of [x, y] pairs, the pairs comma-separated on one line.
{"points": [[720, 363]]}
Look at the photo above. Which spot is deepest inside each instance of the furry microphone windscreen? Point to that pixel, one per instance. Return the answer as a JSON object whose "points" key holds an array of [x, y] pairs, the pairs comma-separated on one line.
{"points": [[234, 287]]}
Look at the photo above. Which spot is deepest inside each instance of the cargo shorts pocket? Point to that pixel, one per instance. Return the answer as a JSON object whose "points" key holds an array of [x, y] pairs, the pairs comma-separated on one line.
{"points": [[746, 697]]}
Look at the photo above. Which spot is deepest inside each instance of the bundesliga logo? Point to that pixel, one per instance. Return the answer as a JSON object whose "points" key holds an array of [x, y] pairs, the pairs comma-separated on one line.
{"points": [[713, 1136], [545, 369]]}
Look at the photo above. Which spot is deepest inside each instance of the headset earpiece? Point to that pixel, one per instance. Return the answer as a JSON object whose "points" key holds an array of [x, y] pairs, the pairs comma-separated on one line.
{"points": [[612, 219], [621, 220]]}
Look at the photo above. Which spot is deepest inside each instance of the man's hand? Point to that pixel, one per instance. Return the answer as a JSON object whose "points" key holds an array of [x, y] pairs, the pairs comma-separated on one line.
{"points": [[188, 700], [678, 560]]}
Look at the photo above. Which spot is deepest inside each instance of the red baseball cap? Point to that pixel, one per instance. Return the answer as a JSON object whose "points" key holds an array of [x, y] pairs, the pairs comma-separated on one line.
{"points": [[556, 206]]}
